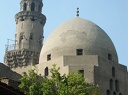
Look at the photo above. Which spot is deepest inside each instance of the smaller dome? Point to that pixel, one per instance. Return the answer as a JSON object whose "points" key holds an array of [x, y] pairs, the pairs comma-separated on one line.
{"points": [[76, 34]]}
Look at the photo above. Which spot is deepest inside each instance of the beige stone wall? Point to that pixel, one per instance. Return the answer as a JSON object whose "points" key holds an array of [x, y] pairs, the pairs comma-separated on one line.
{"points": [[20, 70], [97, 70], [28, 28], [73, 64], [59, 63], [103, 75]]}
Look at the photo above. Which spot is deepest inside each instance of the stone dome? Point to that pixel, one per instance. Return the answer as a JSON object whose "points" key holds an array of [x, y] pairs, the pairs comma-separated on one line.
{"points": [[76, 34]]}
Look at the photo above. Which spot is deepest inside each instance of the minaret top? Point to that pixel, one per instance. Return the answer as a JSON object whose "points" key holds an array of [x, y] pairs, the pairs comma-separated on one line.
{"points": [[77, 12], [31, 5]]}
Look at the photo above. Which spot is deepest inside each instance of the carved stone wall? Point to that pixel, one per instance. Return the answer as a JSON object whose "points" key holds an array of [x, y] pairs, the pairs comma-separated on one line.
{"points": [[19, 58]]}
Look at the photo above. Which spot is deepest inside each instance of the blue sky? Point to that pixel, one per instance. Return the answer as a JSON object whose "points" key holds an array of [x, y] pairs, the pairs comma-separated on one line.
{"points": [[110, 15]]}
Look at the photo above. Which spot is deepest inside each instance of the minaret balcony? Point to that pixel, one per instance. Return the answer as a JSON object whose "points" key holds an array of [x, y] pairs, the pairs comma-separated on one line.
{"points": [[30, 14]]}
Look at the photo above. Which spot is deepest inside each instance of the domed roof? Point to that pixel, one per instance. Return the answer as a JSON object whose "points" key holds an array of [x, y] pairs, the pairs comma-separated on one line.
{"points": [[76, 34]]}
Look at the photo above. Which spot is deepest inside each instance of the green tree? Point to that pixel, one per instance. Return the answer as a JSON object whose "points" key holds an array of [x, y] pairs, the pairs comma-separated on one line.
{"points": [[31, 83], [57, 84], [72, 84]]}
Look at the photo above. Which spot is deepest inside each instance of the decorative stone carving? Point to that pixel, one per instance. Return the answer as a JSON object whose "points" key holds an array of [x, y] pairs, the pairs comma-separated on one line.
{"points": [[19, 58]]}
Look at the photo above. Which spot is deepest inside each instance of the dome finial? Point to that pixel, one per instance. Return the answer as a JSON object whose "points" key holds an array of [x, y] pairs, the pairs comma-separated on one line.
{"points": [[77, 12]]}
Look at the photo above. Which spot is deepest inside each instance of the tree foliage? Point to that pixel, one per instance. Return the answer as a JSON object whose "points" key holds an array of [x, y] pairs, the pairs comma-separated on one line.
{"points": [[31, 83], [57, 84]]}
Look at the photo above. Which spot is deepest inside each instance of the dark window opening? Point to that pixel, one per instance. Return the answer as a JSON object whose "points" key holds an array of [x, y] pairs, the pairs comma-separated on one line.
{"points": [[117, 85], [21, 19], [39, 8], [31, 36], [21, 35], [113, 71], [79, 52], [114, 93], [81, 72], [32, 6], [24, 6], [46, 71], [48, 57], [109, 57], [111, 84], [108, 92], [120, 94]]}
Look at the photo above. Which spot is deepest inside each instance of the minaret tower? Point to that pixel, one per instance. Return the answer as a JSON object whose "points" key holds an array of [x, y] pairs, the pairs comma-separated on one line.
{"points": [[29, 35]]}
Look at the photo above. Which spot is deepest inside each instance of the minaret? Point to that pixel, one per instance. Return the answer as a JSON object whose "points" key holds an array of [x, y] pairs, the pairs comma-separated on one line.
{"points": [[29, 35]]}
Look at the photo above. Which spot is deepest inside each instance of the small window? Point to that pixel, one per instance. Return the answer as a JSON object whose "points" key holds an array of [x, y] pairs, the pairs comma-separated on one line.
{"points": [[117, 85], [39, 8], [113, 71], [21, 19], [109, 57], [24, 7], [108, 92], [79, 52], [46, 73], [81, 72], [111, 84], [48, 57], [32, 6], [31, 36], [21, 35]]}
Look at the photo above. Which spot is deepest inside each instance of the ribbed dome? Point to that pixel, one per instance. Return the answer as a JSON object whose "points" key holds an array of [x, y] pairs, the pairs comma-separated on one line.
{"points": [[75, 34]]}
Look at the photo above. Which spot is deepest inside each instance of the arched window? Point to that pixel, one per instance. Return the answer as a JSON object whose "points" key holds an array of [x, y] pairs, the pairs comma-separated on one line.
{"points": [[114, 93], [32, 6], [117, 85], [108, 92], [24, 7], [46, 71], [113, 71], [39, 8], [111, 84]]}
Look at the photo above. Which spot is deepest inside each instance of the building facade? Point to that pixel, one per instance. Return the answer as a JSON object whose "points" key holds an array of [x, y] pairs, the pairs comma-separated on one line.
{"points": [[75, 45], [80, 45]]}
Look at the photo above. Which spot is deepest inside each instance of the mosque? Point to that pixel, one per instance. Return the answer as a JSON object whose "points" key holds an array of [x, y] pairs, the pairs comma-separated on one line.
{"points": [[75, 45]]}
